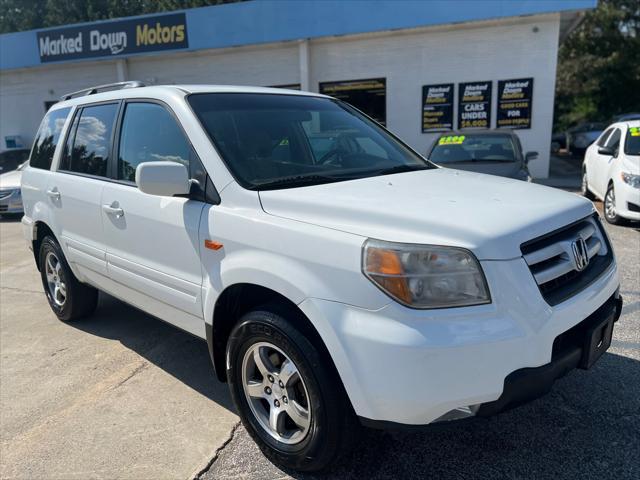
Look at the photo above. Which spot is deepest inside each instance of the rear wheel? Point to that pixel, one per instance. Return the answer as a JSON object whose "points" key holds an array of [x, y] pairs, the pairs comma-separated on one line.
{"points": [[290, 400], [68, 298], [610, 213]]}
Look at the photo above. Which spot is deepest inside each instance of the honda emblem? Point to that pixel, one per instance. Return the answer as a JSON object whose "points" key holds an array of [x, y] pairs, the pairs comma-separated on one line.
{"points": [[580, 253]]}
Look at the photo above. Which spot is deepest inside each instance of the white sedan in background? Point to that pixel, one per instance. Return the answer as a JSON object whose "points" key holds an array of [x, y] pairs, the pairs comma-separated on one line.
{"points": [[611, 171], [10, 194]]}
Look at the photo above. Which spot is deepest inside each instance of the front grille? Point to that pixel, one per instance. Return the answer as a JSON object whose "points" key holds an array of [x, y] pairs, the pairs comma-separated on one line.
{"points": [[4, 208], [554, 265]]}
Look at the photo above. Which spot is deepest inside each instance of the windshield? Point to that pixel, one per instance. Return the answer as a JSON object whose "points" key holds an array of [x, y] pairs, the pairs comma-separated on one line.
{"points": [[632, 143], [473, 148], [277, 141]]}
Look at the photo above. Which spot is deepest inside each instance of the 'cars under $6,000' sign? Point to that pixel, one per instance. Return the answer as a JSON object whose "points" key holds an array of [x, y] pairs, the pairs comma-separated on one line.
{"points": [[474, 105]]}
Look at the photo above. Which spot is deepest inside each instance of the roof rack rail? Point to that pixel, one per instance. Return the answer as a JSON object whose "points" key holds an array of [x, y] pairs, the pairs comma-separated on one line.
{"points": [[102, 88]]}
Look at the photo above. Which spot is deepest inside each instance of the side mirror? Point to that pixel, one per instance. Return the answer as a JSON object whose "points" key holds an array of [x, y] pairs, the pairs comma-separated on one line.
{"points": [[164, 179], [606, 151], [530, 156]]}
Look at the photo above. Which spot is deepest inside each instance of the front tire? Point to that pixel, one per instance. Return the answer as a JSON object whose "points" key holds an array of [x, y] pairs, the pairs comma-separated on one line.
{"points": [[585, 186], [68, 298], [609, 207], [289, 398]]}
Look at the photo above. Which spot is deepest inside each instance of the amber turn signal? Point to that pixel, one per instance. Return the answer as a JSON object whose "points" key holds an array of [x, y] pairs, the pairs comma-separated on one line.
{"points": [[385, 268], [211, 245]]}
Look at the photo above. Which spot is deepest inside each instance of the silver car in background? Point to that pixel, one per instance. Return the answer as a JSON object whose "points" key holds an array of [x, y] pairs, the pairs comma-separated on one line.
{"points": [[10, 195]]}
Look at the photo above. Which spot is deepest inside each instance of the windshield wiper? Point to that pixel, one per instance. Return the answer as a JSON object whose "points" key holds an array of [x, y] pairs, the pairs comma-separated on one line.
{"points": [[401, 169], [295, 181]]}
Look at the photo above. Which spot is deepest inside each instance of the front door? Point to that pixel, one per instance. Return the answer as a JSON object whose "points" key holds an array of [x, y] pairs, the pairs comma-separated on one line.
{"points": [[153, 251], [603, 163]]}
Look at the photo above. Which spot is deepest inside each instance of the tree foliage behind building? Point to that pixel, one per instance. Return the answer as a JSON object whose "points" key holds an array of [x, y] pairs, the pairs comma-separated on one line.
{"points": [[19, 15], [599, 65]]}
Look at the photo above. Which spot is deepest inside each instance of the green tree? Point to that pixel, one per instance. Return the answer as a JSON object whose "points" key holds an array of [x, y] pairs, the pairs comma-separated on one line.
{"points": [[599, 65], [18, 15]]}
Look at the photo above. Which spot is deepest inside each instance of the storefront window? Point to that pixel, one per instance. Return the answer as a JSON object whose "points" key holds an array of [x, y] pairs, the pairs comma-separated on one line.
{"points": [[368, 96]]}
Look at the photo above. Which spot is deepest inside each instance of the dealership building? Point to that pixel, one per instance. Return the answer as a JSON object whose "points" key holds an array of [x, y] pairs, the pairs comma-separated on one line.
{"points": [[419, 67]]}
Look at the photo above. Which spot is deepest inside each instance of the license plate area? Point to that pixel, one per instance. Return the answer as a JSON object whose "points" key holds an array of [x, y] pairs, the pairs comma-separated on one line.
{"points": [[596, 341]]}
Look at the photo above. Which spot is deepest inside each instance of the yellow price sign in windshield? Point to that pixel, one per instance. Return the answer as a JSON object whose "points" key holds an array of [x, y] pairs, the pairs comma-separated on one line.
{"points": [[451, 140], [634, 131]]}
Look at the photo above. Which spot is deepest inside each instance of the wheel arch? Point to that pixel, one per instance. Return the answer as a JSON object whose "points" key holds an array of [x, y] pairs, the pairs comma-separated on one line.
{"points": [[240, 298], [40, 231]]}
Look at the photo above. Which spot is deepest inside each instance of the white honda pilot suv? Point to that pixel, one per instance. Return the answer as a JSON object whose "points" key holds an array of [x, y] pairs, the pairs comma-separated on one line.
{"points": [[338, 277]]}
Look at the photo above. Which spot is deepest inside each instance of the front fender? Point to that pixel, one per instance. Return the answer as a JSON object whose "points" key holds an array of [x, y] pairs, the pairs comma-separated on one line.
{"points": [[266, 269]]}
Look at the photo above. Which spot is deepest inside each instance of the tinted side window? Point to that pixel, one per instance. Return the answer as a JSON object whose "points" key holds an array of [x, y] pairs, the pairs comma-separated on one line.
{"points": [[65, 161], [47, 138], [149, 134], [603, 138], [614, 140], [92, 140]]}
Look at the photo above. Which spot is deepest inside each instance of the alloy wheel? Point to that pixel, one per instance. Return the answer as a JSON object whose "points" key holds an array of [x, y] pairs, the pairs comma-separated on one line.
{"points": [[55, 279], [610, 204], [276, 393]]}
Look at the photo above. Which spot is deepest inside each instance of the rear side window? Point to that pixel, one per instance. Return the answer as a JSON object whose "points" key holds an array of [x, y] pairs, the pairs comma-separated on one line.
{"points": [[149, 134], [47, 138], [89, 144]]}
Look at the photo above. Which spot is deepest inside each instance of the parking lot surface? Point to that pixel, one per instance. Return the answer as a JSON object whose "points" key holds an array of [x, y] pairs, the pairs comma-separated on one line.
{"points": [[117, 395], [121, 395], [588, 427]]}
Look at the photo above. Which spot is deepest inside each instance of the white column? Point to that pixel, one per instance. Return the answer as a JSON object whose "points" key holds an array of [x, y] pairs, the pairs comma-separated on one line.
{"points": [[122, 70], [303, 56]]}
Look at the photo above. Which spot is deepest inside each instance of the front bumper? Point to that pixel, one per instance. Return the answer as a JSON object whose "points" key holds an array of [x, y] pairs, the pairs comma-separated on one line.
{"points": [[627, 201], [413, 367], [572, 349]]}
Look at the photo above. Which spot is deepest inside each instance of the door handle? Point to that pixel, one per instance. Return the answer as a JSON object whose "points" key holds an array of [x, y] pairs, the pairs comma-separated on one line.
{"points": [[113, 209], [54, 193]]}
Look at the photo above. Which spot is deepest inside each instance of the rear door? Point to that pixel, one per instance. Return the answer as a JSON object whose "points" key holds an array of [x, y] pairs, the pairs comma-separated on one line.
{"points": [[153, 250], [75, 189]]}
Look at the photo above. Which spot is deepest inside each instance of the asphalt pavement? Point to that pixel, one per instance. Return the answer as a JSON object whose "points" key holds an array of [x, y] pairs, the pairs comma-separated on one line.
{"points": [[588, 427], [119, 395]]}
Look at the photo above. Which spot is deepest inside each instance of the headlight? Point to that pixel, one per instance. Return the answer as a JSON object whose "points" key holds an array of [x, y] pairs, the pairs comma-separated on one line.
{"points": [[425, 276], [631, 179]]}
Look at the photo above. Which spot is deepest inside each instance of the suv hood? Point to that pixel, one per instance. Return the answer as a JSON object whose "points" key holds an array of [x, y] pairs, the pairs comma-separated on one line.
{"points": [[491, 216]]}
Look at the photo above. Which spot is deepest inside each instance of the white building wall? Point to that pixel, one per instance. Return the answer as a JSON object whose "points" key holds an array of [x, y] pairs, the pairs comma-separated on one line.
{"points": [[23, 93], [454, 54], [259, 65], [515, 48]]}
